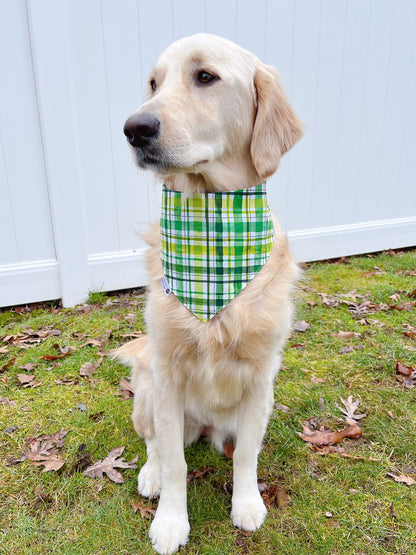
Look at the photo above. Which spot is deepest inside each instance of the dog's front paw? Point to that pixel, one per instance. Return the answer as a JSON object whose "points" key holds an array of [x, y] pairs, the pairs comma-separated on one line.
{"points": [[168, 533], [248, 512], [148, 482]]}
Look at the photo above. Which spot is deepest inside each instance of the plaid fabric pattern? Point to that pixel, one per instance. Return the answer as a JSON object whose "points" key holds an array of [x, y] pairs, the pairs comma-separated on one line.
{"points": [[213, 244]]}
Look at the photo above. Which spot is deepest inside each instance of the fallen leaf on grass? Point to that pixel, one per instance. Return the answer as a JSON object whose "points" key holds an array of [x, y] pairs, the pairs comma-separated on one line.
{"points": [[88, 368], [228, 449], [41, 450], [346, 350], [6, 401], [301, 326], [27, 380], [408, 480], [194, 474], [127, 391], [12, 460], [67, 381], [29, 367], [8, 364], [317, 380], [410, 331], [282, 408], [300, 346], [49, 462], [29, 337], [346, 334], [109, 464], [96, 416], [61, 355], [406, 375], [403, 369], [326, 437], [45, 443], [242, 539], [274, 496], [350, 406], [145, 512]]}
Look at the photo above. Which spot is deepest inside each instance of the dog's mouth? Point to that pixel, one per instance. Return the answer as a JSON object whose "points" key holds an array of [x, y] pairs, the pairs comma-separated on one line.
{"points": [[158, 160], [199, 164], [155, 159]]}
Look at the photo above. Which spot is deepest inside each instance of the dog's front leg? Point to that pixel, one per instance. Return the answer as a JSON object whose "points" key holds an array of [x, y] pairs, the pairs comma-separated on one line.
{"points": [[248, 510], [170, 527]]}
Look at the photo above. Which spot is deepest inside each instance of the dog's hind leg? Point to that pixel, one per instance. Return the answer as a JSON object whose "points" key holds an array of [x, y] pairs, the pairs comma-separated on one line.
{"points": [[148, 483], [137, 355]]}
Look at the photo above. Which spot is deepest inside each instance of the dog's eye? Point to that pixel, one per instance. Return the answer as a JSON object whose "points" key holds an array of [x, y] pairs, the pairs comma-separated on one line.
{"points": [[204, 77], [152, 84]]}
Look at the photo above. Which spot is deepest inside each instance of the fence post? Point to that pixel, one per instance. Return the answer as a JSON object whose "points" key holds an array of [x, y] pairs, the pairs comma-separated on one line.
{"points": [[47, 23]]}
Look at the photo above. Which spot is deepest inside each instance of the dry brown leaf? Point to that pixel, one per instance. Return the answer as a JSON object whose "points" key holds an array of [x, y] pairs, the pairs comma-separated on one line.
{"points": [[45, 443], [8, 364], [301, 326], [56, 357], [346, 334], [41, 450], [27, 380], [108, 466], [194, 474], [326, 437], [350, 406], [282, 408], [228, 449], [346, 350], [403, 369], [88, 368], [50, 462], [145, 512], [67, 381], [317, 380], [405, 375], [6, 401], [274, 496], [127, 391], [29, 367], [410, 331], [29, 337], [408, 480]]}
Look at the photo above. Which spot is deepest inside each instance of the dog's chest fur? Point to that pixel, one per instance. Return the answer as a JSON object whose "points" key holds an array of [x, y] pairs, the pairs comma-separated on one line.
{"points": [[217, 362]]}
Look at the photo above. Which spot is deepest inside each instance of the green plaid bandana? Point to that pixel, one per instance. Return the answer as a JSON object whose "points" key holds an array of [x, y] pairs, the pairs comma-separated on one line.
{"points": [[213, 244]]}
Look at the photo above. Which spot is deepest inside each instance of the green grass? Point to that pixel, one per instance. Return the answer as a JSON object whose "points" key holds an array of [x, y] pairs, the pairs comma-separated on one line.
{"points": [[341, 503]]}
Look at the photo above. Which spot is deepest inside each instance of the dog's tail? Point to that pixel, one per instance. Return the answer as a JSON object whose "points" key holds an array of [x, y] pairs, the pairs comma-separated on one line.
{"points": [[137, 355]]}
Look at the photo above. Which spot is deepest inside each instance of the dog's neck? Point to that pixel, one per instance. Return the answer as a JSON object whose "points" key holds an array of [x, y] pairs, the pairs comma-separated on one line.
{"points": [[219, 178]]}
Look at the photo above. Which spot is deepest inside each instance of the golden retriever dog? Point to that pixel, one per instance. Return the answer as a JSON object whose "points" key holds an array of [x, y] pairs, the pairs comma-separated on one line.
{"points": [[216, 120]]}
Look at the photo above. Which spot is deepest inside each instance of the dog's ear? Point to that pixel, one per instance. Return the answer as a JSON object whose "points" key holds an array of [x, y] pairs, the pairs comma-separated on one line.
{"points": [[276, 127]]}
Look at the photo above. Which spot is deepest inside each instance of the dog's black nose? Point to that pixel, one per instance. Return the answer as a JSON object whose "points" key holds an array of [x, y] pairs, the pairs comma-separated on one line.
{"points": [[141, 129]]}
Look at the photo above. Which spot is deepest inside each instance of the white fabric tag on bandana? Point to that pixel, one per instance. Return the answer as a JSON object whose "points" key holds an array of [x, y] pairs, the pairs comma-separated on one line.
{"points": [[166, 287]]}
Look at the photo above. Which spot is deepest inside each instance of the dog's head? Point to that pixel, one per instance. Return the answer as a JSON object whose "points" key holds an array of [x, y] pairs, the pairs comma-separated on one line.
{"points": [[216, 119]]}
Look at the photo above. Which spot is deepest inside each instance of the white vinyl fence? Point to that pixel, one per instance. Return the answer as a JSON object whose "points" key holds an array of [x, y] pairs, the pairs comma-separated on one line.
{"points": [[71, 200]]}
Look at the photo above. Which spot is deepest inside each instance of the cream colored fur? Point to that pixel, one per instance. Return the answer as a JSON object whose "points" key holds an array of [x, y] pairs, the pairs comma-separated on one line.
{"points": [[188, 375]]}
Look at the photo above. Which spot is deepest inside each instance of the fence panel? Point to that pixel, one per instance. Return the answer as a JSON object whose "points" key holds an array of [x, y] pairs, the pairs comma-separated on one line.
{"points": [[71, 199]]}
